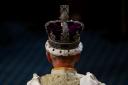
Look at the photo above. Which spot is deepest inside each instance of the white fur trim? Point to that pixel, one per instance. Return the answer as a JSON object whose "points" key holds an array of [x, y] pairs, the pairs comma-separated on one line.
{"points": [[34, 80], [90, 79], [60, 52]]}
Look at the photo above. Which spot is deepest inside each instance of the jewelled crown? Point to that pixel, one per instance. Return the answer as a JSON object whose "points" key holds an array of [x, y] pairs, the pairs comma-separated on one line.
{"points": [[64, 33]]}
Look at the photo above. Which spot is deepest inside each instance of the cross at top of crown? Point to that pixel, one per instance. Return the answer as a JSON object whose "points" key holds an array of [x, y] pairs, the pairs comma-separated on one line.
{"points": [[64, 12]]}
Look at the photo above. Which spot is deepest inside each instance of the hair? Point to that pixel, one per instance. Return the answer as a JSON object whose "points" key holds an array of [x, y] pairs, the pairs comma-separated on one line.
{"points": [[70, 57]]}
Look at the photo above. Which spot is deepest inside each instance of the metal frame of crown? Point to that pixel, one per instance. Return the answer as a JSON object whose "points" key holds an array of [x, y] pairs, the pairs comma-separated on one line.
{"points": [[62, 48]]}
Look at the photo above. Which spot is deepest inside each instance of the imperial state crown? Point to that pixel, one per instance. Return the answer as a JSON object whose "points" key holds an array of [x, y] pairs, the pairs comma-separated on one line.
{"points": [[64, 34]]}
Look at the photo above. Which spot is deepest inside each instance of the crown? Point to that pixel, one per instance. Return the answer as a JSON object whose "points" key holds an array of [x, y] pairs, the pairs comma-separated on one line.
{"points": [[64, 33], [66, 36]]}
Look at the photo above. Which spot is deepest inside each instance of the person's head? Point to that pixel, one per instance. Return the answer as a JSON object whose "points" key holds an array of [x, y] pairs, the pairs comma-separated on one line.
{"points": [[63, 57]]}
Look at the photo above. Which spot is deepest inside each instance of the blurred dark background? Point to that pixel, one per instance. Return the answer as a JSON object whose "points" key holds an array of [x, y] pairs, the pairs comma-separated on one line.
{"points": [[22, 39]]}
